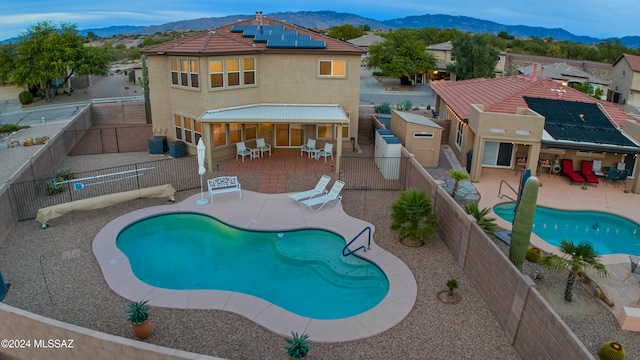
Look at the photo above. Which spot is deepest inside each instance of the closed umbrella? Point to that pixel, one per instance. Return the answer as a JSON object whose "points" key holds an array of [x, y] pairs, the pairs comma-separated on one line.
{"points": [[201, 171]]}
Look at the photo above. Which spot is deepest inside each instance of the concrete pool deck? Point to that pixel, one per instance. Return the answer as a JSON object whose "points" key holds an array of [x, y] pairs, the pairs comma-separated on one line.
{"points": [[260, 211], [556, 192]]}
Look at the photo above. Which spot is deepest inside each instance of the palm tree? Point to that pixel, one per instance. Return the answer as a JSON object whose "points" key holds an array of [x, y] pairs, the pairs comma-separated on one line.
{"points": [[488, 224], [413, 217], [576, 258], [457, 175]]}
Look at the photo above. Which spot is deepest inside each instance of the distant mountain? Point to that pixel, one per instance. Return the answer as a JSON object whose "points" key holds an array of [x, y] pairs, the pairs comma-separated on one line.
{"points": [[111, 30]]}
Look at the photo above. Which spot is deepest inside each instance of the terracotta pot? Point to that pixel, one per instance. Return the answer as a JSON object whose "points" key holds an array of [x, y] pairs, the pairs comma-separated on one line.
{"points": [[143, 330]]}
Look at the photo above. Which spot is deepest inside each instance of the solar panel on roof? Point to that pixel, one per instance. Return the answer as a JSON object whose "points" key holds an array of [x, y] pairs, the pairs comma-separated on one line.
{"points": [[276, 36], [296, 44]]}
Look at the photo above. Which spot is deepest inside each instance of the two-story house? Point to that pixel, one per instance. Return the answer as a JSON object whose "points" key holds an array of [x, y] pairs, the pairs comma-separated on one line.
{"points": [[565, 74], [258, 78], [443, 52], [625, 87]]}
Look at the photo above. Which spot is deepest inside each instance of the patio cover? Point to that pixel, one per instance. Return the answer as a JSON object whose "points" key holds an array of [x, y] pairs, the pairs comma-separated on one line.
{"points": [[278, 114]]}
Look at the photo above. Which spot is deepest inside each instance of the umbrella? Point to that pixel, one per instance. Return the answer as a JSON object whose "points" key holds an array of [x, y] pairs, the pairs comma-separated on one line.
{"points": [[201, 171]]}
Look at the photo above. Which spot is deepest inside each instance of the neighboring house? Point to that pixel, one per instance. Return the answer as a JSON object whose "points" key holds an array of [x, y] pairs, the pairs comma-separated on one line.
{"points": [[364, 42], [625, 87], [257, 78], [494, 121], [565, 74], [443, 53]]}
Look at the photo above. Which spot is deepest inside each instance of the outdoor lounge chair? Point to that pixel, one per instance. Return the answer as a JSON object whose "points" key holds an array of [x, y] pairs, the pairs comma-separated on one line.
{"points": [[634, 266], [308, 147], [263, 147], [586, 170], [318, 202], [612, 176], [567, 169], [242, 150], [597, 168], [320, 189], [326, 152]]}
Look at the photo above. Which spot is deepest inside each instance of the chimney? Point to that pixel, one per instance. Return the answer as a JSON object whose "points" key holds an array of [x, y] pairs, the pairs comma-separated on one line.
{"points": [[542, 72], [259, 17], [535, 72]]}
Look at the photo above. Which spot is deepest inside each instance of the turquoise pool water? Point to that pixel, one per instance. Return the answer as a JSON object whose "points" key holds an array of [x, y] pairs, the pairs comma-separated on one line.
{"points": [[302, 271], [609, 234]]}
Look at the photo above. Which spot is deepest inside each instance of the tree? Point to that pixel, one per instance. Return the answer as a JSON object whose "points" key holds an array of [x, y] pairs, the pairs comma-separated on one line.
{"points": [[45, 53], [457, 176], [575, 259], [401, 55], [412, 217], [345, 32], [474, 57]]}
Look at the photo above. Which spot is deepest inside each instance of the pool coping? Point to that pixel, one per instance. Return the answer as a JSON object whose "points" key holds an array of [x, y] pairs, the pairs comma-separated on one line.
{"points": [[259, 211]]}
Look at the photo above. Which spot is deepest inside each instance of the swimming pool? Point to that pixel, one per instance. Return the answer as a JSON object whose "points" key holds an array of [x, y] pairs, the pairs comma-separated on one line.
{"points": [[608, 233], [302, 271]]}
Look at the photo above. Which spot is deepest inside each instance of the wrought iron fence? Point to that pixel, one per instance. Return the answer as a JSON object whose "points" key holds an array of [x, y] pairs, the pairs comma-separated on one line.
{"points": [[375, 173], [107, 140], [32, 195]]}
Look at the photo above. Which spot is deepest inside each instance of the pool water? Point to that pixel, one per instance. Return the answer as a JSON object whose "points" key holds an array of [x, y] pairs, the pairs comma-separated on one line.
{"points": [[302, 271], [608, 233]]}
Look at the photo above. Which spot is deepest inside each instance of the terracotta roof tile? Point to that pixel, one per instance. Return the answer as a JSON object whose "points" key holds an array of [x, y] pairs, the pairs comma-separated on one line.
{"points": [[222, 41], [505, 95], [633, 60]]}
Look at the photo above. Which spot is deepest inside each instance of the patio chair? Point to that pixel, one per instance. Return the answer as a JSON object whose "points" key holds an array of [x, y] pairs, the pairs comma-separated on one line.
{"points": [[521, 161], [612, 176], [586, 169], [634, 266], [623, 177], [242, 150], [597, 168], [308, 147], [326, 152], [262, 147], [567, 169], [318, 202], [320, 189]]}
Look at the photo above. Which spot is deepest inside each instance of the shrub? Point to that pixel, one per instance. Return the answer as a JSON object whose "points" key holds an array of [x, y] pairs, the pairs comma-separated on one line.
{"points": [[25, 97], [488, 224], [533, 254], [62, 175], [452, 284], [383, 108], [412, 217], [298, 346], [404, 105], [7, 128]]}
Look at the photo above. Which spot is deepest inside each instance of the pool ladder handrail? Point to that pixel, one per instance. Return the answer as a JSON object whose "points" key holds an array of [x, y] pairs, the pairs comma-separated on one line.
{"points": [[346, 247], [501, 195]]}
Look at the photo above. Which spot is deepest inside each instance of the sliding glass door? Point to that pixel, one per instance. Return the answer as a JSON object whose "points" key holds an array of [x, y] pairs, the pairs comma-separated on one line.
{"points": [[497, 154]]}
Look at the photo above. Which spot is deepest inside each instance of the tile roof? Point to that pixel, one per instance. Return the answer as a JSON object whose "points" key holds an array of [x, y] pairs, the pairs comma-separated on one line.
{"points": [[506, 94], [223, 41], [445, 46], [561, 71], [633, 60], [366, 40]]}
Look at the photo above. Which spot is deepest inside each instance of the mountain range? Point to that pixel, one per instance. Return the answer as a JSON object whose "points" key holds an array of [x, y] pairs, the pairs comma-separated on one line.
{"points": [[326, 19]]}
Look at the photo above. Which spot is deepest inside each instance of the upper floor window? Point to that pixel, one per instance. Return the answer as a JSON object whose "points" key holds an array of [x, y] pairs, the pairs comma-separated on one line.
{"points": [[232, 72], [185, 72], [624, 73], [332, 68]]}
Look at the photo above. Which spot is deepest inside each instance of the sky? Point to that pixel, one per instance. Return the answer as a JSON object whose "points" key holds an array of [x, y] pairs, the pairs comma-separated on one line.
{"points": [[600, 19]]}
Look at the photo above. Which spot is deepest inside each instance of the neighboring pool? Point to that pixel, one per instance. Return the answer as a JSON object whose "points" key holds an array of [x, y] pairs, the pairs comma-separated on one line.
{"points": [[609, 234], [302, 271]]}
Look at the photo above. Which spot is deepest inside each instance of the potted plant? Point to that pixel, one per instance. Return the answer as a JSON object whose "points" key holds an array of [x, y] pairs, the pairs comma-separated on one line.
{"points": [[138, 314], [298, 346]]}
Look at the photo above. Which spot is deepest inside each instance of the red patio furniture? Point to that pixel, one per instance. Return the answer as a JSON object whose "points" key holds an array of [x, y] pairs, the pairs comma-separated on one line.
{"points": [[587, 172], [567, 169]]}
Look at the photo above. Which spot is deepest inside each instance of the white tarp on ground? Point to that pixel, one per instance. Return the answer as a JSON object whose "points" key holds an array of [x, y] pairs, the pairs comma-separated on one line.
{"points": [[99, 202]]}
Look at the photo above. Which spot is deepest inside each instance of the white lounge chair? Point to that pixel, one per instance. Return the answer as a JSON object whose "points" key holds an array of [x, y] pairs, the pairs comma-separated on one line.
{"points": [[262, 147], [320, 189], [242, 150], [597, 168], [308, 147], [326, 152], [318, 202]]}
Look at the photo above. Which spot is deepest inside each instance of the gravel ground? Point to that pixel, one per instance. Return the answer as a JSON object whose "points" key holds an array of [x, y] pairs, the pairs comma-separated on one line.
{"points": [[75, 291]]}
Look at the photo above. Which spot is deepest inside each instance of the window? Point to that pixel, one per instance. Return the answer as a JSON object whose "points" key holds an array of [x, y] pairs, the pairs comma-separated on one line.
{"points": [[232, 72], [324, 131], [332, 68], [250, 132], [624, 73], [459, 134], [185, 73], [345, 131], [219, 134], [235, 133], [187, 129]]}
